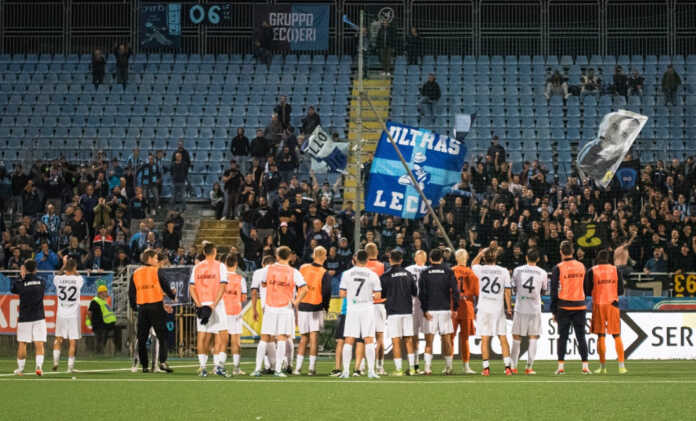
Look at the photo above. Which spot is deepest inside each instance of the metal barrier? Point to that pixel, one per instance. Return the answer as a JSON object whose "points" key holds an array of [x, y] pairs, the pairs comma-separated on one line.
{"points": [[473, 27]]}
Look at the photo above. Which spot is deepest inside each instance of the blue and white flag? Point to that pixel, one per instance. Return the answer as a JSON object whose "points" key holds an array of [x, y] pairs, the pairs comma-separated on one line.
{"points": [[600, 158], [435, 160], [326, 154], [462, 125]]}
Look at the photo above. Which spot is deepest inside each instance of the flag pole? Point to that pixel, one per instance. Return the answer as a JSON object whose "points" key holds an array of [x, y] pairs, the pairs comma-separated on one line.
{"points": [[358, 144], [410, 174]]}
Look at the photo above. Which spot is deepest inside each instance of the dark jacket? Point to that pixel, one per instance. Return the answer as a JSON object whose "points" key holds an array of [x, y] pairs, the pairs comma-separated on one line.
{"points": [[31, 293], [431, 90], [240, 146], [438, 288], [398, 287], [259, 147], [180, 172], [386, 37], [310, 122]]}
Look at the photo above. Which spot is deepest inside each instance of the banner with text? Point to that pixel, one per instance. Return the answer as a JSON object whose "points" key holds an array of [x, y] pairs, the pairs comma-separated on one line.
{"points": [[296, 27], [160, 26], [435, 160]]}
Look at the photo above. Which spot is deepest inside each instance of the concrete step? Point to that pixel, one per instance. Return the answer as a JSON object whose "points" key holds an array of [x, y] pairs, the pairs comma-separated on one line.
{"points": [[367, 135], [375, 94], [366, 125]]}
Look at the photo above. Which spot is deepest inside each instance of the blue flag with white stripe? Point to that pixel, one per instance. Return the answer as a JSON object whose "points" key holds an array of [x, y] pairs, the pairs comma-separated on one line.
{"points": [[435, 160]]}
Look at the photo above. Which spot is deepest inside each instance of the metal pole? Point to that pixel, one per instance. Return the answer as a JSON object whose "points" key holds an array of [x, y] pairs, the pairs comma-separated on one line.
{"points": [[358, 146], [410, 174]]}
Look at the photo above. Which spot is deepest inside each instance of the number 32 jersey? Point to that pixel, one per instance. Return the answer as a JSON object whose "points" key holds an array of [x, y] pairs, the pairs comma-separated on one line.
{"points": [[493, 280], [360, 283], [528, 281], [68, 289]]}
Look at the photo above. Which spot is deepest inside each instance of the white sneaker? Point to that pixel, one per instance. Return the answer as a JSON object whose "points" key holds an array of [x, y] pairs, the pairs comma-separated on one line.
{"points": [[18, 372], [559, 372], [381, 371], [372, 376], [344, 376], [134, 369], [296, 373], [468, 370]]}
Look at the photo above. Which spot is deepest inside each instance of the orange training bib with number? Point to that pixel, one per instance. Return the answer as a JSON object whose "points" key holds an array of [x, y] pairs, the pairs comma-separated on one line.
{"points": [[147, 286], [280, 285], [606, 280], [206, 276], [313, 276], [233, 294]]}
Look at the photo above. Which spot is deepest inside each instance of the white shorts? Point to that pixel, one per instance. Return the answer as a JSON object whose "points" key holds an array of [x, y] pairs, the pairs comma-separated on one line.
{"points": [[216, 323], [68, 328], [360, 322], [234, 324], [310, 321], [491, 324], [418, 318], [32, 331], [278, 321], [380, 317], [526, 324], [400, 325], [441, 323]]}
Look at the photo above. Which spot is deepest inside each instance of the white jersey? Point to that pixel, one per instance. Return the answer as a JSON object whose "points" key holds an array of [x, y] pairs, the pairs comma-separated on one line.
{"points": [[416, 271], [493, 280], [528, 281], [257, 278], [360, 283], [68, 289]]}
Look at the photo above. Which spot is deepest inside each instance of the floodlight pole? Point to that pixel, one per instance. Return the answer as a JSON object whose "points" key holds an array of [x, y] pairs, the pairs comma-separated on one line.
{"points": [[410, 174], [358, 141]]}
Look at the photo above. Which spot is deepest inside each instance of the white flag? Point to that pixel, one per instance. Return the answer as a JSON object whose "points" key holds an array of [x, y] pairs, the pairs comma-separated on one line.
{"points": [[325, 152], [600, 158]]}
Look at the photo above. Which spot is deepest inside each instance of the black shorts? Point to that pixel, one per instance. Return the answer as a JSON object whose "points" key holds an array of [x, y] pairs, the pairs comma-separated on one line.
{"points": [[340, 325]]}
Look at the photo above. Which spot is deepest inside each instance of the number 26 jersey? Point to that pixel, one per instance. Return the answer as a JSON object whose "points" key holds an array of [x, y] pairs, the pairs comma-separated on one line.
{"points": [[360, 283], [68, 289], [493, 280]]}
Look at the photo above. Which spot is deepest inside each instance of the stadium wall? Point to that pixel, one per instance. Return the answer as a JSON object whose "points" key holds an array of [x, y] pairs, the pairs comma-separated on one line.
{"points": [[474, 27]]}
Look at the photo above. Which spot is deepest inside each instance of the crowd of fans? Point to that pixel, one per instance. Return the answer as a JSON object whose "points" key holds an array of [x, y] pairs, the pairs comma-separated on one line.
{"points": [[98, 213]]}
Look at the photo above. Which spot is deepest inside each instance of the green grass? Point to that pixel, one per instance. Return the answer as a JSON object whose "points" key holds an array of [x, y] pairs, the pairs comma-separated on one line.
{"points": [[651, 390]]}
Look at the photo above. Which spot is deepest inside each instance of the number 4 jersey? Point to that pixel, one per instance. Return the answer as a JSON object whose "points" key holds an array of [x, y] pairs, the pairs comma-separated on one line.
{"points": [[493, 280], [68, 289], [528, 282]]}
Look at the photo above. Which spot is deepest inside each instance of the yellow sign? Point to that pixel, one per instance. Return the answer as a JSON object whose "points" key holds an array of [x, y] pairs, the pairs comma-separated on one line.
{"points": [[684, 285]]}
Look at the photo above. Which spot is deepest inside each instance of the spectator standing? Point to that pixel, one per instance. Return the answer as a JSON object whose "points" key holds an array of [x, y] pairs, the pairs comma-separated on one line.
{"points": [[217, 200], [148, 177], [283, 109], [232, 180], [430, 93], [620, 82], [287, 163], [274, 133], [635, 84], [185, 155], [46, 259], [385, 46], [180, 169], [102, 319], [264, 44], [590, 83], [670, 84], [310, 121], [496, 151], [414, 46], [239, 147], [259, 147], [122, 53], [98, 68], [556, 84]]}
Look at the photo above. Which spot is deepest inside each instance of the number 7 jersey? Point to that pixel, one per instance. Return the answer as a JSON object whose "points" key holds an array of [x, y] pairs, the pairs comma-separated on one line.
{"points": [[360, 283], [493, 280], [528, 282], [68, 289]]}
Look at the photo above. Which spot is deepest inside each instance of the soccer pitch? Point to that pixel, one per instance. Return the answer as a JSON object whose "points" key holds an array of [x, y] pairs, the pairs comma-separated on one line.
{"points": [[107, 388]]}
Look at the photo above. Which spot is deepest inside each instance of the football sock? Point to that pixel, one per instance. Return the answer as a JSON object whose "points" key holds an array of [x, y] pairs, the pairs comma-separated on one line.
{"points": [[370, 353], [466, 353], [380, 363], [312, 362], [585, 365], [602, 350], [428, 361], [289, 351], [448, 362], [235, 360], [216, 360], [411, 361], [485, 364], [39, 361], [417, 355], [531, 352], [260, 353], [618, 344], [298, 363], [506, 360], [20, 364], [280, 354], [71, 363], [202, 360], [561, 365], [266, 362], [362, 364], [466, 366], [397, 364], [347, 356], [515, 352], [271, 353], [56, 356], [223, 359]]}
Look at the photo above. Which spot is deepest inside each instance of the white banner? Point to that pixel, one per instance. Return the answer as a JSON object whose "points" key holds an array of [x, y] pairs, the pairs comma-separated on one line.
{"points": [[326, 154], [645, 336]]}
